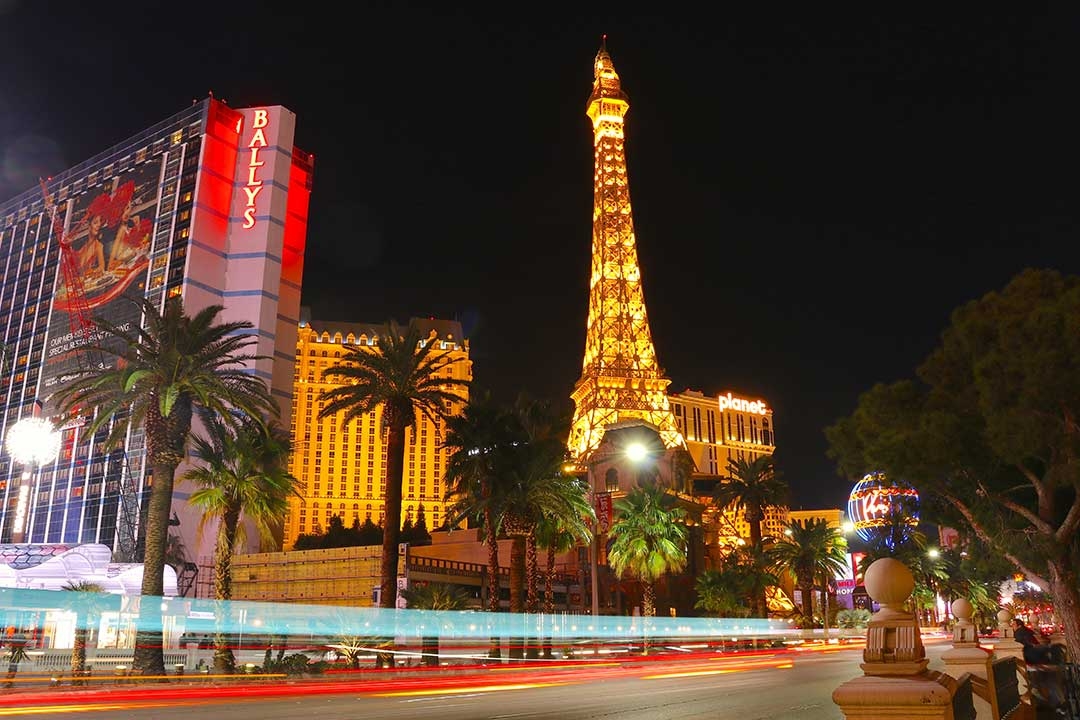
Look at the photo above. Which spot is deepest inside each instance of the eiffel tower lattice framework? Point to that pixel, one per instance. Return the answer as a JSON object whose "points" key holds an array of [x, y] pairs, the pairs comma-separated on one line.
{"points": [[621, 379]]}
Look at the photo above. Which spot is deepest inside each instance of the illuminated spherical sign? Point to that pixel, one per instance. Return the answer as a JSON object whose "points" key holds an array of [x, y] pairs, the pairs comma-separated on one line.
{"points": [[875, 498], [33, 441]]}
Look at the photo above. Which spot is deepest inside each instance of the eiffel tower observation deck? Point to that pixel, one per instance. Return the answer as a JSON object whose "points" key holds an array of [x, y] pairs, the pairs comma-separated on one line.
{"points": [[621, 379]]}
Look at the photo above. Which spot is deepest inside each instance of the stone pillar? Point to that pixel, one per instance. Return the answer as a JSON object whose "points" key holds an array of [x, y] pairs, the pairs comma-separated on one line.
{"points": [[1007, 646], [895, 681], [967, 656]]}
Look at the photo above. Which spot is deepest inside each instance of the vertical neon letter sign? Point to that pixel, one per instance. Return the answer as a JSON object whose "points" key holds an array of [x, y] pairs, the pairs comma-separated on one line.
{"points": [[254, 184]]}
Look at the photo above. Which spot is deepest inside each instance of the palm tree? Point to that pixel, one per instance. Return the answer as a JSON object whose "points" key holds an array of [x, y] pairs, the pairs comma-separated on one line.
{"points": [[91, 600], [476, 438], [809, 551], [932, 573], [16, 654], [163, 373], [532, 486], [403, 375], [719, 593], [752, 486], [733, 589], [435, 596], [560, 534], [647, 539], [244, 474]]}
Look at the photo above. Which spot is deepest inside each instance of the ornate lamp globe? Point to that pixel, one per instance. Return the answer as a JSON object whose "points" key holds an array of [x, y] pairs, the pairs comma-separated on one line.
{"points": [[33, 442]]}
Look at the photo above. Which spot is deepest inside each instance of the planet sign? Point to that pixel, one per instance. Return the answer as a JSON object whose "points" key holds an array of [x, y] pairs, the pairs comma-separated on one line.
{"points": [[875, 498]]}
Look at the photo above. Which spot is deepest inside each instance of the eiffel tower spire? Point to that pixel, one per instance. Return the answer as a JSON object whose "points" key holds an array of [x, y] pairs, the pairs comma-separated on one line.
{"points": [[620, 376]]}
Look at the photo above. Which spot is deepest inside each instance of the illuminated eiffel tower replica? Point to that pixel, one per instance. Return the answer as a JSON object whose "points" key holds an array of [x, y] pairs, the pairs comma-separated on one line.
{"points": [[620, 377]]}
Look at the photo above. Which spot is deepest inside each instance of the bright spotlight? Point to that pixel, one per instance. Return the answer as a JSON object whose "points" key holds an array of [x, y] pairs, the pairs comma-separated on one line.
{"points": [[636, 452], [33, 441]]}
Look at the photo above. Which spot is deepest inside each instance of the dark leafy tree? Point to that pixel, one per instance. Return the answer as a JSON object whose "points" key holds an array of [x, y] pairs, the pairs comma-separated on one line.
{"points": [[732, 589], [338, 536], [990, 428]]}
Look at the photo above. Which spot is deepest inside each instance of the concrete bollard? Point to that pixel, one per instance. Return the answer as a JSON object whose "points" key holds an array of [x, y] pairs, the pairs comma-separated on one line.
{"points": [[967, 655], [895, 682]]}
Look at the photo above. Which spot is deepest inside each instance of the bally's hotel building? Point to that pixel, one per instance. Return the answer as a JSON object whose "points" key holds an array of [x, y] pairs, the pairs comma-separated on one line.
{"points": [[209, 205]]}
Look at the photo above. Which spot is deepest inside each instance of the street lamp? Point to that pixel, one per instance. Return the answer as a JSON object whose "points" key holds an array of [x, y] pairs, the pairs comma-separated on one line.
{"points": [[32, 442], [635, 452]]}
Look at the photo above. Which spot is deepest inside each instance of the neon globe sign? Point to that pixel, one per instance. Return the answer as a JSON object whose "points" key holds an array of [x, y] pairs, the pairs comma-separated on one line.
{"points": [[876, 501]]}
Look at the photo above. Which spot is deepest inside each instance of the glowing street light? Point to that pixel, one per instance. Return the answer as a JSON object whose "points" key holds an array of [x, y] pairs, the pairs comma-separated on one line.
{"points": [[32, 442], [636, 453]]}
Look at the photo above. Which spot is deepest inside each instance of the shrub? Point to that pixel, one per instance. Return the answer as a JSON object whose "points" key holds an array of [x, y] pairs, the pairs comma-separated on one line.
{"points": [[852, 618]]}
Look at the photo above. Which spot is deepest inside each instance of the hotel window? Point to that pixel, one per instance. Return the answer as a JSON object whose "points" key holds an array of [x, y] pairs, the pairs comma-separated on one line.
{"points": [[611, 480]]}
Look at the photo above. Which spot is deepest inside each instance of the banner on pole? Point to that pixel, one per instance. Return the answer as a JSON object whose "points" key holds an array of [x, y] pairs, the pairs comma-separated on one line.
{"points": [[603, 512]]}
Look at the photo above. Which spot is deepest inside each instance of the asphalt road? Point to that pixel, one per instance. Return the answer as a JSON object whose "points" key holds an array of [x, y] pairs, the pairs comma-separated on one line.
{"points": [[781, 687]]}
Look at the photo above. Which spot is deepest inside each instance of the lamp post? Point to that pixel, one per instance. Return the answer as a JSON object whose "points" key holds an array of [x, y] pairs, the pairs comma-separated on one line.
{"points": [[32, 442], [594, 546], [635, 452]]}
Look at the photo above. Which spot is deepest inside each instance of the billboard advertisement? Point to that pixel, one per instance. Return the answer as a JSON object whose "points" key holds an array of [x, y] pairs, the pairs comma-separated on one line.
{"points": [[108, 235]]}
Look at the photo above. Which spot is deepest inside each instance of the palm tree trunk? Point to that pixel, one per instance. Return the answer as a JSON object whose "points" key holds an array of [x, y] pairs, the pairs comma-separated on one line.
{"points": [[517, 574], [395, 462], [532, 599], [808, 602], [753, 518], [78, 655], [517, 592], [149, 656], [165, 441], [492, 576], [549, 596], [388, 572], [532, 574], [223, 553], [648, 599], [648, 610], [224, 660]]}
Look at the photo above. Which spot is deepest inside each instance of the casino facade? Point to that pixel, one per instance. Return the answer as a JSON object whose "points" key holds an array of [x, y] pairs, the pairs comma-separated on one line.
{"points": [[209, 205]]}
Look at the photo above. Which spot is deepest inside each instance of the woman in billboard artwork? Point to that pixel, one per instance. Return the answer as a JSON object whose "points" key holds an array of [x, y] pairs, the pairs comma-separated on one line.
{"points": [[131, 230], [92, 252]]}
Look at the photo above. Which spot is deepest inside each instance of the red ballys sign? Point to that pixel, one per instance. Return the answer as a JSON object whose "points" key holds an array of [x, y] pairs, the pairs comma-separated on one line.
{"points": [[254, 185]]}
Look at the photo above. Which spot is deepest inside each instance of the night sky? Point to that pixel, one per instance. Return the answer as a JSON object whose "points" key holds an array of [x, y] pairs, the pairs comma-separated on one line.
{"points": [[813, 194]]}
